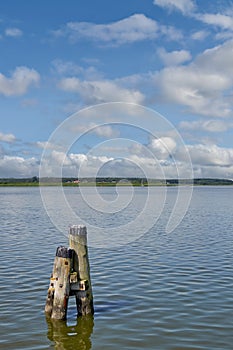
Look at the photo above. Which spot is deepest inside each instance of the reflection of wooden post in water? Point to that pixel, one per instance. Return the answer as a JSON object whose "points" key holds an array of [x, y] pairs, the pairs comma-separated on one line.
{"points": [[71, 276], [71, 337]]}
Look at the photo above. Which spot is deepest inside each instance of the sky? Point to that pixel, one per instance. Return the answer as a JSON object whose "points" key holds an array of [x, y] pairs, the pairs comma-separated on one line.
{"points": [[116, 88]]}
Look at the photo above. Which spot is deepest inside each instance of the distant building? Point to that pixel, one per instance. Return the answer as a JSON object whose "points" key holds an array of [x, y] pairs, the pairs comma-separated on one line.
{"points": [[76, 181]]}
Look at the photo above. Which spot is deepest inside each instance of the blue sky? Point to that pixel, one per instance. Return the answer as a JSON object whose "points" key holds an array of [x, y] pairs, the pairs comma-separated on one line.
{"points": [[171, 56]]}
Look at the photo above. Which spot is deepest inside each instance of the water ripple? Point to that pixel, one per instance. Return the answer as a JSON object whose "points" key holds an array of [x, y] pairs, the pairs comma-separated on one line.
{"points": [[169, 292]]}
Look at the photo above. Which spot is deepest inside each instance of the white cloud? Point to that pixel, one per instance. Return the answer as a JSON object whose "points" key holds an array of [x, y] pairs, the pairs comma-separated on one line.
{"points": [[195, 88], [60, 157], [224, 35], [134, 28], [210, 155], [163, 147], [212, 125], [88, 164], [219, 20], [70, 68], [184, 6], [175, 57], [207, 160], [200, 35], [78, 159], [7, 137], [72, 163], [19, 82], [13, 32], [45, 144], [171, 33], [203, 85], [222, 21], [11, 166], [218, 59], [92, 128], [104, 131], [100, 91]]}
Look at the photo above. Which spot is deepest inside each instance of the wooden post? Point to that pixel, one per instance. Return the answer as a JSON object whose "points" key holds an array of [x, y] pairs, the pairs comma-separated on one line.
{"points": [[81, 287], [59, 289], [70, 276]]}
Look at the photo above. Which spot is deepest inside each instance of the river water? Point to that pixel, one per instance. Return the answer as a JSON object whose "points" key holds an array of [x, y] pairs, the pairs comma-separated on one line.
{"points": [[160, 291]]}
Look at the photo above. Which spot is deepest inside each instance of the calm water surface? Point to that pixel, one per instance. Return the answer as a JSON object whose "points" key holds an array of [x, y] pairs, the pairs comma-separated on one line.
{"points": [[162, 291]]}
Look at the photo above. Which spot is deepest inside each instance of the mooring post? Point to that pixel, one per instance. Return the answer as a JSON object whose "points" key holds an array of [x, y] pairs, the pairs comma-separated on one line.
{"points": [[71, 276], [59, 289], [81, 287]]}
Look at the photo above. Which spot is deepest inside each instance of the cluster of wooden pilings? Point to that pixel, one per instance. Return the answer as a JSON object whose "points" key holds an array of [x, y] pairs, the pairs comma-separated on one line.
{"points": [[71, 277]]}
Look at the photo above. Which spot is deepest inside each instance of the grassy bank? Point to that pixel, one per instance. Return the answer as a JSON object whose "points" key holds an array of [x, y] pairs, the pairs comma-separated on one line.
{"points": [[107, 182]]}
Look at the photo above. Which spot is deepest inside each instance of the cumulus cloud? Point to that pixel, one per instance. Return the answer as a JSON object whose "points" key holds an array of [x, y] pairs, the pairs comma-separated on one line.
{"points": [[11, 166], [73, 163], [69, 68], [218, 19], [218, 58], [19, 82], [104, 131], [207, 161], [9, 138], [89, 165], [174, 58], [13, 32], [200, 35], [223, 21], [202, 85], [211, 155], [64, 67], [135, 28], [163, 147], [100, 91], [184, 6], [212, 125], [197, 89], [171, 33], [45, 144]]}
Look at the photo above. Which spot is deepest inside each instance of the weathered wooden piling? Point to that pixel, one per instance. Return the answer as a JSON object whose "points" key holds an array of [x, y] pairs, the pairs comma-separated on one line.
{"points": [[59, 289], [70, 276], [81, 288]]}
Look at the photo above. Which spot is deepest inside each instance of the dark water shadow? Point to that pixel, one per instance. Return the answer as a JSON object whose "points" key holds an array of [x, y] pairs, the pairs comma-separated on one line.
{"points": [[109, 307], [69, 337]]}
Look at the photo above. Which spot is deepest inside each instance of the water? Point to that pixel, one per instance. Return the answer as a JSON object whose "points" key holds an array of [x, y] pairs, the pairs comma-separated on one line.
{"points": [[162, 291]]}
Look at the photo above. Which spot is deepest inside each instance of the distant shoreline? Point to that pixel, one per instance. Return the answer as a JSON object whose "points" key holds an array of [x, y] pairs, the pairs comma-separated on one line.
{"points": [[111, 182]]}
